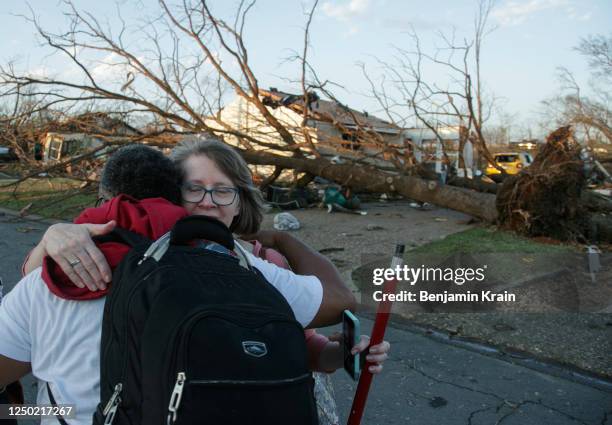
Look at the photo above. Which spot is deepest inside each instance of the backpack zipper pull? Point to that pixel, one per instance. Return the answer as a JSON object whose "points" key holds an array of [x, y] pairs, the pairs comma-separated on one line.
{"points": [[164, 243], [157, 249], [175, 398], [111, 407]]}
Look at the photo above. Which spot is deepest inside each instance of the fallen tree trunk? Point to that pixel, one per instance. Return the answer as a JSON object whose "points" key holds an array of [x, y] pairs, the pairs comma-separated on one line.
{"points": [[371, 179], [475, 184]]}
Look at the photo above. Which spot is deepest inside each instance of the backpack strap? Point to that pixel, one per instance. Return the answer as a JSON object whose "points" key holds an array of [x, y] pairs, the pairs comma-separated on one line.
{"points": [[59, 417], [241, 252], [195, 227], [121, 235]]}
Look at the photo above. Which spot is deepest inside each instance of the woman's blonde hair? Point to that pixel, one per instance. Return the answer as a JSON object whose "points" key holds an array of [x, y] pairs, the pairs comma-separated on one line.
{"points": [[233, 166]]}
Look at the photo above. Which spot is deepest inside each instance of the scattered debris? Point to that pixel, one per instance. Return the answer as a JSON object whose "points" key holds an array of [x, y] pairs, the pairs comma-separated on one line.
{"points": [[336, 160], [374, 227], [24, 210], [456, 331], [440, 219], [338, 262], [26, 229], [593, 254], [337, 208], [331, 249], [437, 402], [286, 221], [604, 192], [341, 200], [423, 206], [503, 327], [290, 198]]}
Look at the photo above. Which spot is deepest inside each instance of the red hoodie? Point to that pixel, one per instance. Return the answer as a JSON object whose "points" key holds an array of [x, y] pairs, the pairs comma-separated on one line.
{"points": [[148, 217]]}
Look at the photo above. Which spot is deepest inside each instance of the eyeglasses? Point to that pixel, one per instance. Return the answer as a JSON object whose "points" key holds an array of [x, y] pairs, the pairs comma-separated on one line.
{"points": [[221, 196]]}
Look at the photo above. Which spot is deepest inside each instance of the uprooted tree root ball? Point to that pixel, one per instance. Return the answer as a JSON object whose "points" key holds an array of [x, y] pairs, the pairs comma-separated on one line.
{"points": [[544, 199]]}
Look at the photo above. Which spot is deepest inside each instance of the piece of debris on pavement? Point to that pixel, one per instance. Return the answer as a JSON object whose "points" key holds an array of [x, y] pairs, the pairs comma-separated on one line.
{"points": [[330, 249], [24, 210], [503, 327], [26, 229], [286, 221], [339, 208]]}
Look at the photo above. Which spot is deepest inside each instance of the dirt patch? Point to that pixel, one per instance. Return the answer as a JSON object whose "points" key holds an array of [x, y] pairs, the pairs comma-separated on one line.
{"points": [[353, 240]]}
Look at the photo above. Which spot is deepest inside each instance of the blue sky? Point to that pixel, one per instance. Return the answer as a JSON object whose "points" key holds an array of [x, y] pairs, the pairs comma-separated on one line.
{"points": [[532, 38]]}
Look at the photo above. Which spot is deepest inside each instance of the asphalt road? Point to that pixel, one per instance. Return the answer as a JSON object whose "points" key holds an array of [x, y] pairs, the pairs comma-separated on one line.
{"points": [[425, 382]]}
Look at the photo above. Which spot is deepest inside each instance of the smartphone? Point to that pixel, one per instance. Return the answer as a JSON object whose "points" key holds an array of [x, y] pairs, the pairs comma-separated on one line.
{"points": [[351, 334]]}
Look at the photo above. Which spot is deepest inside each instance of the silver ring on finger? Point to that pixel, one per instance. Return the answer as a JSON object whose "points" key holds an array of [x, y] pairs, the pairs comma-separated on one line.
{"points": [[74, 262]]}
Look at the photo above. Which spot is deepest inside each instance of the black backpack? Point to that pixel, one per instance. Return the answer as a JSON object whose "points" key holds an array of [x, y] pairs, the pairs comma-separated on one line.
{"points": [[190, 336]]}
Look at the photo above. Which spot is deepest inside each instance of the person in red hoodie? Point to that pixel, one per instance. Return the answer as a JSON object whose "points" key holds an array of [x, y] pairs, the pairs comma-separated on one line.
{"points": [[51, 327]]}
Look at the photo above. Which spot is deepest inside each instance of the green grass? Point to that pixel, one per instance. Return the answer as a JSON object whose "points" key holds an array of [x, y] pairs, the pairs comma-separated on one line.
{"points": [[483, 240], [50, 197]]}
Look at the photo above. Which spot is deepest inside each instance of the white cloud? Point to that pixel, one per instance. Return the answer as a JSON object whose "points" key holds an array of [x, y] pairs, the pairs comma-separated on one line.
{"points": [[515, 13], [346, 11], [110, 68]]}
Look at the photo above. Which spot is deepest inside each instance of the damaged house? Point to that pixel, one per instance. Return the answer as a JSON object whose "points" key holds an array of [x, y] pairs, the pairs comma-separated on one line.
{"points": [[334, 129], [342, 133], [441, 146], [75, 135]]}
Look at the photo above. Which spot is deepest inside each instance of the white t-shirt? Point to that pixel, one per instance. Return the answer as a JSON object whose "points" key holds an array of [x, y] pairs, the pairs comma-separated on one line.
{"points": [[61, 338]]}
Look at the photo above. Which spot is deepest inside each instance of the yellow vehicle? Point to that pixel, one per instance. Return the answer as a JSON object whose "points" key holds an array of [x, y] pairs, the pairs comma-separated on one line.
{"points": [[510, 162]]}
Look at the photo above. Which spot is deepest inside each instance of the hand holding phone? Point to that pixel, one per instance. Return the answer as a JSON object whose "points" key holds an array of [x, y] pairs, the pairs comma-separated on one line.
{"points": [[350, 337]]}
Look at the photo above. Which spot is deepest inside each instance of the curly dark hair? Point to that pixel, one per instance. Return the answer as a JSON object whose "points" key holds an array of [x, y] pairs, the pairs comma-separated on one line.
{"points": [[141, 172]]}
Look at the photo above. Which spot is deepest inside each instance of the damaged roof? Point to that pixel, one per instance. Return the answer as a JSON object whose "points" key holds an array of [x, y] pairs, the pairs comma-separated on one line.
{"points": [[325, 110], [94, 122]]}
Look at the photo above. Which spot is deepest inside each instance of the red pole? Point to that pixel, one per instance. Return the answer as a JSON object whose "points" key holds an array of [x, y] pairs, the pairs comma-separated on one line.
{"points": [[378, 333]]}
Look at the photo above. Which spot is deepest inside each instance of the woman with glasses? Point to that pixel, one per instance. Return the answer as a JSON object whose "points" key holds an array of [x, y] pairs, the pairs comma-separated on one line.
{"points": [[216, 182]]}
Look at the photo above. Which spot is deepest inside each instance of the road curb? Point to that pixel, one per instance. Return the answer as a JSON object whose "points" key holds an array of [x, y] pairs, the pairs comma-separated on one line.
{"points": [[529, 360]]}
